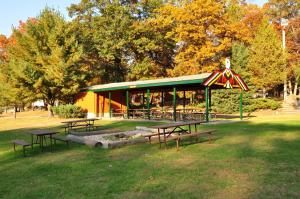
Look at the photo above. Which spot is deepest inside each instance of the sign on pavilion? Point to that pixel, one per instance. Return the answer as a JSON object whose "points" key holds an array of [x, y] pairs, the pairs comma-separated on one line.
{"points": [[227, 79]]}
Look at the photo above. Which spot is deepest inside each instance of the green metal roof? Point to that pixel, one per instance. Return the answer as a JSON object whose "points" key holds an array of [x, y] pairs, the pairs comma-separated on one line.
{"points": [[164, 82]]}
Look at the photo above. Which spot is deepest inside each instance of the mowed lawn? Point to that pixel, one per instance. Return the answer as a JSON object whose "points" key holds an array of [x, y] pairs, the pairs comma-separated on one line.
{"points": [[259, 158]]}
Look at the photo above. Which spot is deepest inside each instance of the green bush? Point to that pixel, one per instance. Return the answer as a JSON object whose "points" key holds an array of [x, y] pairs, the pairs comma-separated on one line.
{"points": [[228, 101], [260, 103], [68, 111]]}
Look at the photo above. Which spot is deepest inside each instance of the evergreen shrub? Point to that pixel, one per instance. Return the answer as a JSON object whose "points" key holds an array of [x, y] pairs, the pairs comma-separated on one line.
{"points": [[68, 111], [228, 101]]}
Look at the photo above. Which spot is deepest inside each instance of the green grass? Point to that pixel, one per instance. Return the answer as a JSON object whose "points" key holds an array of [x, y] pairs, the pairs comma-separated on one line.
{"points": [[255, 159]]}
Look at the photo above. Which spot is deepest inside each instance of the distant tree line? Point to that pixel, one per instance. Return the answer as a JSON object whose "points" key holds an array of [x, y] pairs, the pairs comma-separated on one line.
{"points": [[50, 58]]}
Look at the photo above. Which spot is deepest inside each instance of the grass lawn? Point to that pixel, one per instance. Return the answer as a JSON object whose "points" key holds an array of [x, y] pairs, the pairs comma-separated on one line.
{"points": [[259, 158]]}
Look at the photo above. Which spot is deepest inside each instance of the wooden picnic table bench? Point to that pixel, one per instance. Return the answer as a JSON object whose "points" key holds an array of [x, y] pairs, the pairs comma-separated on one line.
{"points": [[88, 124], [22, 143], [197, 135], [149, 136], [60, 138], [176, 127]]}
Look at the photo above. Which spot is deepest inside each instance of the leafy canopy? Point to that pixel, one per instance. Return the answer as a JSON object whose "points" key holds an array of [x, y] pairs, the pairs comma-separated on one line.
{"points": [[267, 60], [46, 59]]}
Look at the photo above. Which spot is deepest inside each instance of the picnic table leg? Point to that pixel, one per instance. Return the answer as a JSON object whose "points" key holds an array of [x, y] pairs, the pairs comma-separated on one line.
{"points": [[190, 129], [195, 127], [24, 151], [159, 138], [41, 143], [50, 142], [209, 138], [165, 139], [14, 146], [31, 142], [45, 140]]}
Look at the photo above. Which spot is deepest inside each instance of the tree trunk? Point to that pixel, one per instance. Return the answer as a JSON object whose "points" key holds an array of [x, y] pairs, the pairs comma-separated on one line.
{"points": [[290, 87], [15, 112], [296, 87], [285, 90], [264, 93], [50, 111]]}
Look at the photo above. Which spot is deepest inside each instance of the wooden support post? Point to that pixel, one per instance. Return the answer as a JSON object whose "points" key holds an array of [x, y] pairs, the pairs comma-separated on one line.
{"points": [[241, 105], [127, 104], [193, 96], [162, 101], [184, 101], [209, 102], [143, 99], [148, 103], [174, 104], [109, 97], [206, 105]]}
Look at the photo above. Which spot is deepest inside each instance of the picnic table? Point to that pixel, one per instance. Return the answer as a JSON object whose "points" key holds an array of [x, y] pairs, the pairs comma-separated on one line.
{"points": [[138, 113], [176, 127], [40, 137], [87, 123]]}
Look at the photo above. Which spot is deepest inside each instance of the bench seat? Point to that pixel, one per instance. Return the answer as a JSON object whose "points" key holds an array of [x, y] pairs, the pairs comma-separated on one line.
{"points": [[22, 143], [60, 138], [78, 126], [167, 132], [178, 138]]}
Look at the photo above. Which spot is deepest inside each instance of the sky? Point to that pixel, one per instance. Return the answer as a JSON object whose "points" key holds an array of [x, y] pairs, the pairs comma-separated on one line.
{"points": [[258, 2], [12, 11]]}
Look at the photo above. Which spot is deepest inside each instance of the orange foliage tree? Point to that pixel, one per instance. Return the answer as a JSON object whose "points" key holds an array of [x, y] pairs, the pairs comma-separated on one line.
{"points": [[202, 33]]}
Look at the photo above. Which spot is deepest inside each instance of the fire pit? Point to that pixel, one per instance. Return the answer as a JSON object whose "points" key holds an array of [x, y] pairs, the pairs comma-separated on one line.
{"points": [[114, 140]]}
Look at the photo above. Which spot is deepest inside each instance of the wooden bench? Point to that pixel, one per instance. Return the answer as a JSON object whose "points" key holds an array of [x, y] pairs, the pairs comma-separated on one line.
{"points": [[22, 143], [167, 132], [78, 126], [197, 135], [150, 135], [60, 138], [123, 115]]}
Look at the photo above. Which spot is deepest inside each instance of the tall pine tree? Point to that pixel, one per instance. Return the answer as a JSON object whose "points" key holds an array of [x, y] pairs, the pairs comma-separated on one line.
{"points": [[267, 60]]}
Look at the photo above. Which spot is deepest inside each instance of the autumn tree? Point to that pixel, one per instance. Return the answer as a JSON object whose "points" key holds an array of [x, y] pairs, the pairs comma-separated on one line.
{"points": [[267, 61], [10, 94], [287, 9], [3, 46], [293, 49], [45, 60], [103, 28], [201, 32], [151, 50], [118, 40]]}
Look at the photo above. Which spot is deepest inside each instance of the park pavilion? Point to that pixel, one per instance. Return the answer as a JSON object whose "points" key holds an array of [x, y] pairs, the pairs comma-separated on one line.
{"points": [[159, 98]]}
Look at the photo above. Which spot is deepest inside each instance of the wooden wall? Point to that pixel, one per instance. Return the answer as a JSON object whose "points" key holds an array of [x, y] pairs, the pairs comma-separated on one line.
{"points": [[97, 104], [87, 101]]}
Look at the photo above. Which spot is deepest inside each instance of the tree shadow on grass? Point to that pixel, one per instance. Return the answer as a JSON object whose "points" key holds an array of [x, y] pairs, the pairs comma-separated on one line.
{"points": [[144, 171], [273, 150]]}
